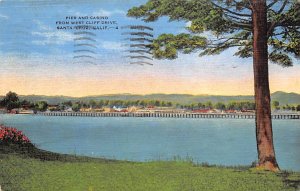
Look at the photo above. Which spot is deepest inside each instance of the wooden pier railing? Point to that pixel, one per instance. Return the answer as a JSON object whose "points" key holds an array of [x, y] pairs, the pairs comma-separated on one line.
{"points": [[169, 115]]}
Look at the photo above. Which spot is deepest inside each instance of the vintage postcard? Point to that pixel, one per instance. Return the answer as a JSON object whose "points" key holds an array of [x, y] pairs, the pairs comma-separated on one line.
{"points": [[151, 95]]}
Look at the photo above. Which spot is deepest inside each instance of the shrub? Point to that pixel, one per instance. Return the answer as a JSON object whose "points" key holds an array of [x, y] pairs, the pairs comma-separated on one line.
{"points": [[12, 135]]}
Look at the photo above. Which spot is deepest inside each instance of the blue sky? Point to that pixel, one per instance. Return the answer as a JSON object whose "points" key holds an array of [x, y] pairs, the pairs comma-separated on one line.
{"points": [[36, 58], [29, 26]]}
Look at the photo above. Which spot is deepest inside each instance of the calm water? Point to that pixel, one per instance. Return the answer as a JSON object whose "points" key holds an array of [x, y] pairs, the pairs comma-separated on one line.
{"points": [[216, 141]]}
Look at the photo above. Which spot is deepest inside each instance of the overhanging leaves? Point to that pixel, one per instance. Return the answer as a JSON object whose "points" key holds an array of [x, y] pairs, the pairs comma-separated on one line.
{"points": [[231, 24], [167, 45]]}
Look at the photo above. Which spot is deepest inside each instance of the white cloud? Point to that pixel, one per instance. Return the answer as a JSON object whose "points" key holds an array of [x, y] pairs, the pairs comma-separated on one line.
{"points": [[184, 28], [50, 36], [41, 25], [188, 24], [111, 45], [103, 12], [3, 16], [55, 37]]}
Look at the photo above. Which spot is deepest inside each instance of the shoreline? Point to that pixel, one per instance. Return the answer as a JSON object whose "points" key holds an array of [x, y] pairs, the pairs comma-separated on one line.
{"points": [[41, 170]]}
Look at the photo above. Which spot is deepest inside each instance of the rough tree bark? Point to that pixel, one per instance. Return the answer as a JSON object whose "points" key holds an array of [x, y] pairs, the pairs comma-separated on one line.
{"points": [[264, 134]]}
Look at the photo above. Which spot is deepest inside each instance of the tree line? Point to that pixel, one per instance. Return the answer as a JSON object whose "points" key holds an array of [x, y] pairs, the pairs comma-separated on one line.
{"points": [[244, 105], [11, 101]]}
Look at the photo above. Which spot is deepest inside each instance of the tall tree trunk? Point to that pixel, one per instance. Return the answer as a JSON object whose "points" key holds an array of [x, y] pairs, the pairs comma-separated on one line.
{"points": [[264, 135]]}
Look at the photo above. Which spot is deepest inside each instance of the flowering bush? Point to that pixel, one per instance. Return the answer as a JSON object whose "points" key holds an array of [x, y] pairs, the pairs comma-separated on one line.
{"points": [[12, 135]]}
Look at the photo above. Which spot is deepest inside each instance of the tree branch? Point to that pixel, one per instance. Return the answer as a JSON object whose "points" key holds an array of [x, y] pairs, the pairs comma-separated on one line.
{"points": [[271, 28], [223, 46], [238, 18], [278, 34], [287, 32], [283, 21], [250, 3], [232, 38], [246, 6], [224, 42], [282, 7], [289, 24], [271, 4], [231, 12], [239, 24]]}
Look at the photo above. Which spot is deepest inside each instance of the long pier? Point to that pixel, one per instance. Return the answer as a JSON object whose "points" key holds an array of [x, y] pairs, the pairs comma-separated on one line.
{"points": [[168, 115]]}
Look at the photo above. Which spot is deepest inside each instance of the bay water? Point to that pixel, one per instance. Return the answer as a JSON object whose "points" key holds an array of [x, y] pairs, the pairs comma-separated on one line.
{"points": [[227, 142]]}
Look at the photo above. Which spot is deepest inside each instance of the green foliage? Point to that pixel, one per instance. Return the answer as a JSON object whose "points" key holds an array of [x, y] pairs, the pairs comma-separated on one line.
{"points": [[284, 35], [76, 107], [280, 58], [27, 103], [166, 45], [230, 22], [240, 105], [220, 106], [10, 101], [200, 12], [284, 98], [41, 106], [170, 100], [237, 105], [68, 103], [298, 108], [275, 105], [61, 107], [289, 107], [92, 103], [208, 104]]}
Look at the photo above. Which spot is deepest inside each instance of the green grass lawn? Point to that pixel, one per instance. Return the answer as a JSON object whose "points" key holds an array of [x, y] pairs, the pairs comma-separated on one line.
{"points": [[50, 172]]}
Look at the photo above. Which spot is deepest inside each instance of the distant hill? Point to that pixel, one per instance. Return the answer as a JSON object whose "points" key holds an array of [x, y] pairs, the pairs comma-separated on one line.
{"points": [[49, 99], [176, 98], [286, 98], [282, 97]]}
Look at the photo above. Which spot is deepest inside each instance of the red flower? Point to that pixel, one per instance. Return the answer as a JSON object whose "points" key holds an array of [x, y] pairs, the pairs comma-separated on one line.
{"points": [[12, 135]]}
